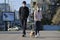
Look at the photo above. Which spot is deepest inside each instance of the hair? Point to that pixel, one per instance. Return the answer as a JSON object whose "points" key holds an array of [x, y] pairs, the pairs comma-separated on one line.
{"points": [[34, 3], [24, 2]]}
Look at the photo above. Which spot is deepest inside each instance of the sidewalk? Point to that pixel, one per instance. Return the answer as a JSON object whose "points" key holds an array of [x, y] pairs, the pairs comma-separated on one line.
{"points": [[16, 35]]}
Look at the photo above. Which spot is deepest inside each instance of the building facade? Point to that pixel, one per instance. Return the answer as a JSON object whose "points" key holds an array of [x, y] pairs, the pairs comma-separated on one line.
{"points": [[4, 7]]}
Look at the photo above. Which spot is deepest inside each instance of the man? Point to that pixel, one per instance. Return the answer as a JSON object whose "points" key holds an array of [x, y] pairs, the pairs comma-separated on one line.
{"points": [[23, 14]]}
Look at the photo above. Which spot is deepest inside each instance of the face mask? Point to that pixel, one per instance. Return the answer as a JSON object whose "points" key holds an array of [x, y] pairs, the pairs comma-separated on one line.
{"points": [[23, 5], [40, 9]]}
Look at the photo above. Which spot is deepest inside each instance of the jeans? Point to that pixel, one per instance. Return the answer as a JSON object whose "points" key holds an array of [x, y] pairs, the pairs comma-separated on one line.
{"points": [[24, 25], [37, 26]]}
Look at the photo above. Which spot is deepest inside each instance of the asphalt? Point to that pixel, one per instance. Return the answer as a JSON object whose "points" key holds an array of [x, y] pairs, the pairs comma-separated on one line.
{"points": [[16, 35]]}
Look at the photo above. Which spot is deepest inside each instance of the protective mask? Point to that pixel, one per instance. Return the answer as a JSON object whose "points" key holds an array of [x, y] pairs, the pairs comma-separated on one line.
{"points": [[23, 5], [40, 9]]}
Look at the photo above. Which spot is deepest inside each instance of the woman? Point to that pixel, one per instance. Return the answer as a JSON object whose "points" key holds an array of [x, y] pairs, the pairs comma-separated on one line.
{"points": [[37, 20]]}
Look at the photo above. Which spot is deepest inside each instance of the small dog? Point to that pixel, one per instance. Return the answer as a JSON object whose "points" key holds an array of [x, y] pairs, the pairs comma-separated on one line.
{"points": [[32, 34]]}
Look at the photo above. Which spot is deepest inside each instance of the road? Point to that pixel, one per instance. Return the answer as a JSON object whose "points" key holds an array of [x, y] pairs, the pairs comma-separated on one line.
{"points": [[16, 35]]}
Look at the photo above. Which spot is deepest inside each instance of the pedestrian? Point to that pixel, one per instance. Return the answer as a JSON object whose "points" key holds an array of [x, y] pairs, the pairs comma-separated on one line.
{"points": [[32, 33], [37, 20], [23, 14]]}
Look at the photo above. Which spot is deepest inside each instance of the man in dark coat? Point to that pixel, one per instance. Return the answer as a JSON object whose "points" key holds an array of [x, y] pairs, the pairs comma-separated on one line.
{"points": [[23, 14]]}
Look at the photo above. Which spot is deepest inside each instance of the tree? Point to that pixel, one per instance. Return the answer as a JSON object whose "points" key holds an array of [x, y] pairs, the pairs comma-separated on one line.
{"points": [[56, 18]]}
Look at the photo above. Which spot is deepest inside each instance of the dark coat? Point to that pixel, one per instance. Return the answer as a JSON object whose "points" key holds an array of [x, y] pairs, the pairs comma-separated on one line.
{"points": [[23, 12]]}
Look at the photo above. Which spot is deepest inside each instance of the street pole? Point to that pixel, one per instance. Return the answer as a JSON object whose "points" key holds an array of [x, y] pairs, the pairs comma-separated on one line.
{"points": [[6, 27], [9, 5], [9, 23], [5, 5]]}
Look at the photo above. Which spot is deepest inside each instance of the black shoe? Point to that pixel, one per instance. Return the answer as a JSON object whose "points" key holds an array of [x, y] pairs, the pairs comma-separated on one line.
{"points": [[23, 35]]}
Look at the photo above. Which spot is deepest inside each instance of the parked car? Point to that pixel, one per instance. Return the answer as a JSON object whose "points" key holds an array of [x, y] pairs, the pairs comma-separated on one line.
{"points": [[14, 29]]}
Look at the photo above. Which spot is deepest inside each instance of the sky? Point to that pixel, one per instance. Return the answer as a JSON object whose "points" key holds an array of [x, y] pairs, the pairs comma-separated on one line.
{"points": [[15, 4]]}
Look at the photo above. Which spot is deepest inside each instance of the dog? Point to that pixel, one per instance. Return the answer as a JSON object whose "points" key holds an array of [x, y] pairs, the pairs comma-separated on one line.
{"points": [[32, 34]]}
